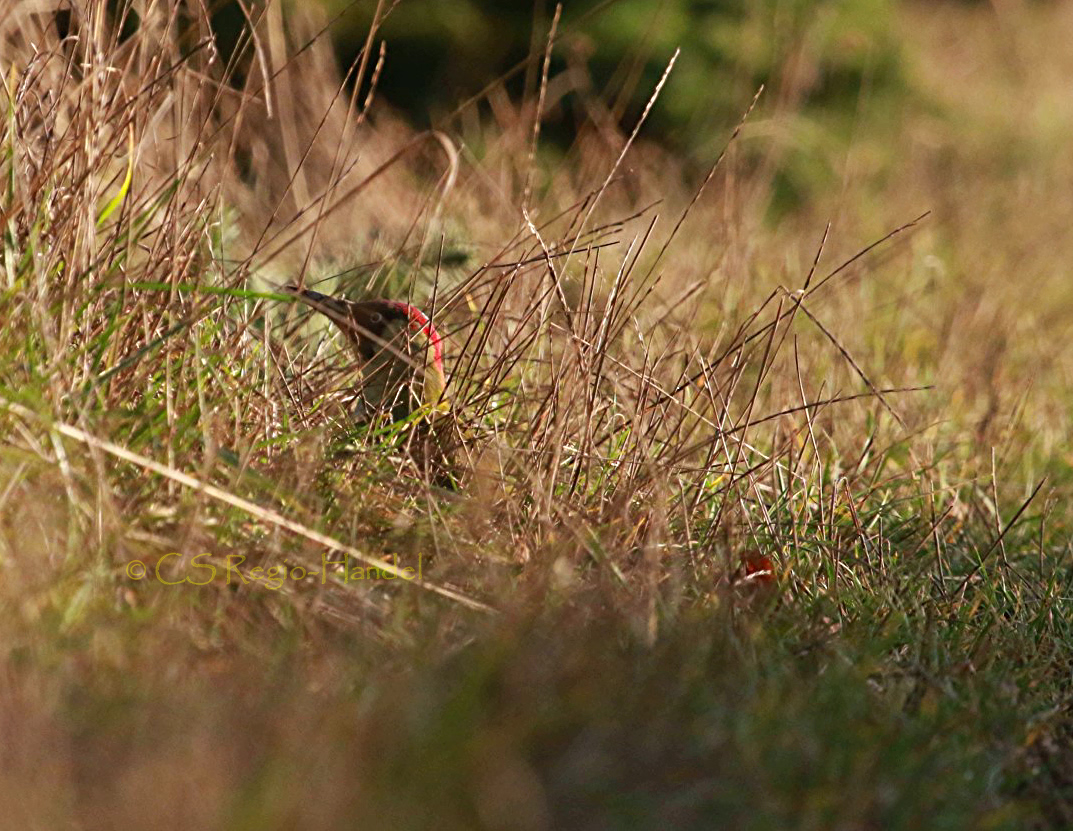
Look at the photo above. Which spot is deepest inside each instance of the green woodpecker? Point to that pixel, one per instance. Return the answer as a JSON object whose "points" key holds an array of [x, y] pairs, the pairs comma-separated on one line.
{"points": [[399, 351]]}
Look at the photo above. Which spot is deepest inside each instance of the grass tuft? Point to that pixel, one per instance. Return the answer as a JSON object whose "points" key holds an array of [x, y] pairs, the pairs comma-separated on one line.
{"points": [[737, 529]]}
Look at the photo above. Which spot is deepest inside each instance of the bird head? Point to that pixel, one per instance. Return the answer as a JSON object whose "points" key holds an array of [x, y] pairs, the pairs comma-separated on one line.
{"points": [[399, 351]]}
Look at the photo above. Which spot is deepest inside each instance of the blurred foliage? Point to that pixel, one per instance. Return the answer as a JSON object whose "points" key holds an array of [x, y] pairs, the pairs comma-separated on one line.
{"points": [[819, 59]]}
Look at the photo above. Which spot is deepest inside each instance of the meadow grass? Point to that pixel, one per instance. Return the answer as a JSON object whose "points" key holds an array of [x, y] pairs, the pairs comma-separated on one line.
{"points": [[751, 525]]}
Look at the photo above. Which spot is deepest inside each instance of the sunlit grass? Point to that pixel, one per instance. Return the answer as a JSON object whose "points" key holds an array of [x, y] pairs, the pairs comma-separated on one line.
{"points": [[745, 525]]}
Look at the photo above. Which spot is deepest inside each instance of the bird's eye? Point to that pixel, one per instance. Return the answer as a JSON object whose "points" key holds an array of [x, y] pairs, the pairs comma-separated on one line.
{"points": [[376, 317]]}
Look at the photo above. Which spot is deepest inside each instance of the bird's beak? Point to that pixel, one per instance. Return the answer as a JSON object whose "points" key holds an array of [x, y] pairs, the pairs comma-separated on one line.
{"points": [[331, 306]]}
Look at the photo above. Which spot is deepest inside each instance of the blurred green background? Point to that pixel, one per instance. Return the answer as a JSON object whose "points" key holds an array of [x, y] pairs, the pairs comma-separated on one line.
{"points": [[822, 62], [440, 53]]}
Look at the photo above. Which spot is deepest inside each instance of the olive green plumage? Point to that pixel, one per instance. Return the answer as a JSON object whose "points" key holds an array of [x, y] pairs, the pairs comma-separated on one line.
{"points": [[398, 349]]}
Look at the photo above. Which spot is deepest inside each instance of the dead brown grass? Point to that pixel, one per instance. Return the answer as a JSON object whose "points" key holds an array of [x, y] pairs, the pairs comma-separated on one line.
{"points": [[652, 392]]}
